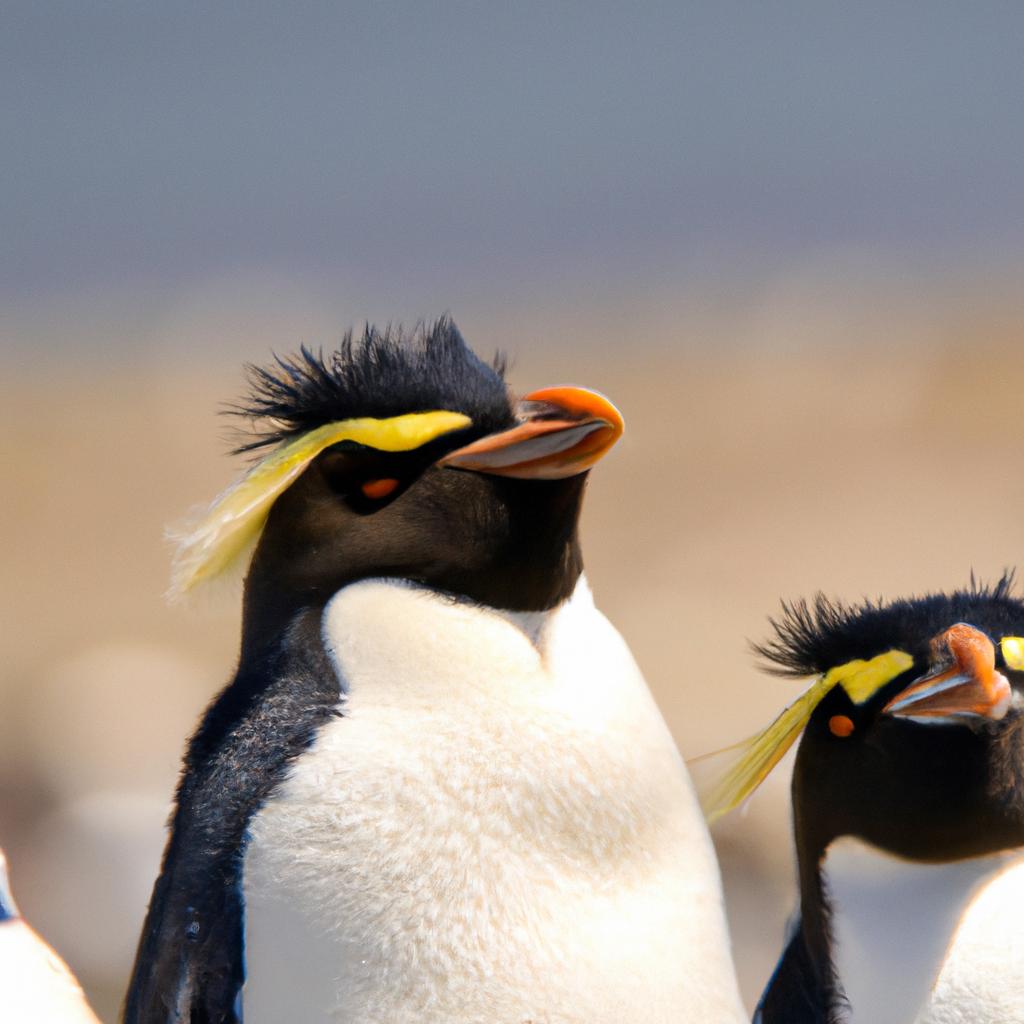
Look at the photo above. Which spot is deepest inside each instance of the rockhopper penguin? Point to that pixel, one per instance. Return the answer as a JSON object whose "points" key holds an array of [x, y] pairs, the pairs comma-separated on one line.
{"points": [[908, 810], [437, 788]]}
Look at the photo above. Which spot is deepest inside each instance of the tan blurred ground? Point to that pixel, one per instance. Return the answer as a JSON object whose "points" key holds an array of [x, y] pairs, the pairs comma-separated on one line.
{"points": [[867, 450]]}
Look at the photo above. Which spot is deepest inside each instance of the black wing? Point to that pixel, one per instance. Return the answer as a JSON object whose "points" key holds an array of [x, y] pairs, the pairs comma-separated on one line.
{"points": [[794, 994], [190, 966]]}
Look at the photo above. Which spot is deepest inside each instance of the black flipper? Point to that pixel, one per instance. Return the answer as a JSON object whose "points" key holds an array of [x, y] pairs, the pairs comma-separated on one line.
{"points": [[190, 966], [794, 993]]}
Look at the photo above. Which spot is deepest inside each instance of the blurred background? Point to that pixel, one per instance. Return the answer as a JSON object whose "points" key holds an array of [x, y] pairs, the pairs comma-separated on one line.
{"points": [[786, 238]]}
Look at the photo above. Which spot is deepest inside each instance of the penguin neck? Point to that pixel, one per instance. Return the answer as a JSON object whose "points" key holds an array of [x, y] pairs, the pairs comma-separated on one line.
{"points": [[885, 925], [267, 616], [523, 590]]}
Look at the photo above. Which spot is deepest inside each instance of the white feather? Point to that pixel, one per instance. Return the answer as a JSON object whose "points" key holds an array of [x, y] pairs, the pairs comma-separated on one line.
{"points": [[927, 943], [499, 829]]}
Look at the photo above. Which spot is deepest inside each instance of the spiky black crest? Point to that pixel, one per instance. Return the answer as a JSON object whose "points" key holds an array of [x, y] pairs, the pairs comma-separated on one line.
{"points": [[384, 373], [812, 637]]}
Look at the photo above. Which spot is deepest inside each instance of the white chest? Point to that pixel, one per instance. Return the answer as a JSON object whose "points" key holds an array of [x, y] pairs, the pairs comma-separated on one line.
{"points": [[934, 944], [499, 829]]}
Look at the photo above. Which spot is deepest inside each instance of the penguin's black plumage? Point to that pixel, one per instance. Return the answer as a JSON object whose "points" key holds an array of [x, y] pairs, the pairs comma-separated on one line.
{"points": [[409, 499], [924, 768], [382, 373], [190, 961]]}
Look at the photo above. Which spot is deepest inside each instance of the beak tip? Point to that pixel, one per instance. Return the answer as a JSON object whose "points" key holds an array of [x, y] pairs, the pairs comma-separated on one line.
{"points": [[968, 689], [581, 402], [570, 432], [954, 708]]}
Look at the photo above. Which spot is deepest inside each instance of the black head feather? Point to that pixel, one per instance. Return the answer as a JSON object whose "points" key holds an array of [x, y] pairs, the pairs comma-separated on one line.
{"points": [[812, 637], [384, 373]]}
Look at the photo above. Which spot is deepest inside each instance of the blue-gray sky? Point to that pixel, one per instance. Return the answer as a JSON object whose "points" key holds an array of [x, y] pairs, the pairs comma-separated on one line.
{"points": [[482, 142]]}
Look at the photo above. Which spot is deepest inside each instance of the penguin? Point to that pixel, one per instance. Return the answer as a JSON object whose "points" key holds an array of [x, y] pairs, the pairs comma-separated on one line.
{"points": [[437, 788], [35, 983], [908, 809]]}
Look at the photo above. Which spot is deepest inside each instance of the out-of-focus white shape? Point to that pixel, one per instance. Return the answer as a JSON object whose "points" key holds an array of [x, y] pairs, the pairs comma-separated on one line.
{"points": [[104, 728], [35, 984], [90, 878]]}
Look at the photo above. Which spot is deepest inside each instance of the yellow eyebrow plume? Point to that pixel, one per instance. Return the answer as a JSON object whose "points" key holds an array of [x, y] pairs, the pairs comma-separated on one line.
{"points": [[862, 679], [1013, 652], [237, 517], [737, 771]]}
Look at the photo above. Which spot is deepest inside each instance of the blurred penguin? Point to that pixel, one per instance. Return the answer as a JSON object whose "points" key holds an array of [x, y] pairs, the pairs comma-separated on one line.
{"points": [[908, 810], [36, 986]]}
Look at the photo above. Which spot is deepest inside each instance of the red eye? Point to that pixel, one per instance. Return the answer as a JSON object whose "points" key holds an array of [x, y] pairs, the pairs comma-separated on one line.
{"points": [[377, 489], [840, 725]]}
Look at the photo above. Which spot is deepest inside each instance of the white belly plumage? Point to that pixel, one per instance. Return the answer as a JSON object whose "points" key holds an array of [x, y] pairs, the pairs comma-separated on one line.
{"points": [[927, 943], [499, 830], [982, 977]]}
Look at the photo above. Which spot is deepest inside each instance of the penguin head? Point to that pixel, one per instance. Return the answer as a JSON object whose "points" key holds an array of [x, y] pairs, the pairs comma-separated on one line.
{"points": [[406, 456], [912, 735]]}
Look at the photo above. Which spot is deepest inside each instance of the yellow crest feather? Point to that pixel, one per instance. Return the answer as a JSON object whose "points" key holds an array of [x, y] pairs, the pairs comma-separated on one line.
{"points": [[1013, 652], [236, 519], [738, 770]]}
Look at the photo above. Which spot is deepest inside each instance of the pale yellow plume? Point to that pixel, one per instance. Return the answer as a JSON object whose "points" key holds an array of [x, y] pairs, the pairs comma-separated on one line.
{"points": [[236, 519], [734, 773]]}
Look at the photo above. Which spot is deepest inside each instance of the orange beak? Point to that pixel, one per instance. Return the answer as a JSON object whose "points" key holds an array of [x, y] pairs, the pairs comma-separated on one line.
{"points": [[962, 684], [562, 431]]}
